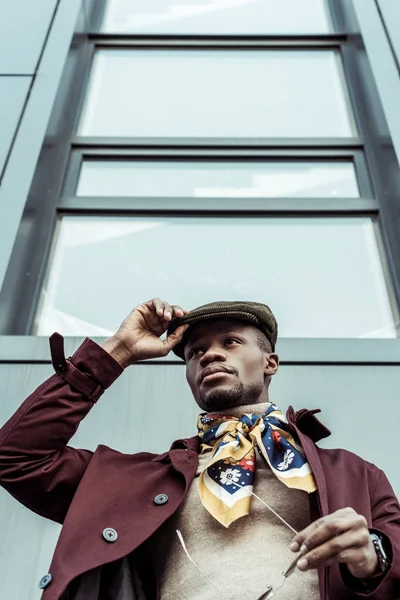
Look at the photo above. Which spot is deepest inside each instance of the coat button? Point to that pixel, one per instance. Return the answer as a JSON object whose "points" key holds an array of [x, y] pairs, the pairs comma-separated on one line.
{"points": [[44, 582], [109, 534], [161, 499]]}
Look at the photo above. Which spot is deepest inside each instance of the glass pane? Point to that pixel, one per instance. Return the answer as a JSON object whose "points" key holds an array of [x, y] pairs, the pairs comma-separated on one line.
{"points": [[323, 277], [207, 93], [216, 17], [217, 179]]}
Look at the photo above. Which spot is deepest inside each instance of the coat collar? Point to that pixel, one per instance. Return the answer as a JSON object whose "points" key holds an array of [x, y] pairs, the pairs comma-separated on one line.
{"points": [[186, 444], [192, 444], [306, 421]]}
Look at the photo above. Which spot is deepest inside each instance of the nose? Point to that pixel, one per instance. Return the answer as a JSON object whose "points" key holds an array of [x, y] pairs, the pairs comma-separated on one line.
{"points": [[213, 354]]}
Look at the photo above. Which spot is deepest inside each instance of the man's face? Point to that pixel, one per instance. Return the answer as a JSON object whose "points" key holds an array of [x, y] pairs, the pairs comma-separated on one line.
{"points": [[225, 365]]}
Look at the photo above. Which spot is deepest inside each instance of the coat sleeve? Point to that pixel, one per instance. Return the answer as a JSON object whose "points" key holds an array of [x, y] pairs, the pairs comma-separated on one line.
{"points": [[386, 523], [36, 465]]}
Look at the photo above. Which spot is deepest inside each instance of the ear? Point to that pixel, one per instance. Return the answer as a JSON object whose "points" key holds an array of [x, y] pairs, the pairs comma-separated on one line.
{"points": [[272, 364]]}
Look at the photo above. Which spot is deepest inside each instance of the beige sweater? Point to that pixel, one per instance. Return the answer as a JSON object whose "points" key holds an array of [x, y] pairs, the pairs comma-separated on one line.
{"points": [[243, 560]]}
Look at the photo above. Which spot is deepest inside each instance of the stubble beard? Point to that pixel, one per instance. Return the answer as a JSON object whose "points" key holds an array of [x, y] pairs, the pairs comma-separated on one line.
{"points": [[237, 395]]}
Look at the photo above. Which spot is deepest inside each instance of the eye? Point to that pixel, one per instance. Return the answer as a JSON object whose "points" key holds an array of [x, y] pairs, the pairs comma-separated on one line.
{"points": [[231, 341], [193, 352]]}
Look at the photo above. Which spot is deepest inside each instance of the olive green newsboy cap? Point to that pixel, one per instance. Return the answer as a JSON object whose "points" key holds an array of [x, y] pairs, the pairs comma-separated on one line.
{"points": [[259, 315]]}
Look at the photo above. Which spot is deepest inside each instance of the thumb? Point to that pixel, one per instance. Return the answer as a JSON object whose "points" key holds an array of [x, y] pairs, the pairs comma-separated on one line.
{"points": [[175, 337]]}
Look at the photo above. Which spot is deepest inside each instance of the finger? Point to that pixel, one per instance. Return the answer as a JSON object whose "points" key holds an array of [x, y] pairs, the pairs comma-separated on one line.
{"points": [[352, 545], [156, 305], [174, 339], [168, 311], [323, 529], [162, 308], [177, 311], [333, 527]]}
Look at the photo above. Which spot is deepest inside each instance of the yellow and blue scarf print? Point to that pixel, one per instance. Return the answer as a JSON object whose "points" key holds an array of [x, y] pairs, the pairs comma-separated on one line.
{"points": [[226, 484]]}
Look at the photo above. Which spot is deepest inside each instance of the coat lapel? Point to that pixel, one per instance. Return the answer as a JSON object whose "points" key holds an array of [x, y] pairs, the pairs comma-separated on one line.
{"points": [[310, 430]]}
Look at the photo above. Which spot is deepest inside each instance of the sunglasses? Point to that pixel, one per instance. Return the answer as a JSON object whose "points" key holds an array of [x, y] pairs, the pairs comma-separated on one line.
{"points": [[270, 590]]}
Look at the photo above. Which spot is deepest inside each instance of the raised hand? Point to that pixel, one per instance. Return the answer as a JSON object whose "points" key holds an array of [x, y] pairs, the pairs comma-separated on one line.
{"points": [[138, 337]]}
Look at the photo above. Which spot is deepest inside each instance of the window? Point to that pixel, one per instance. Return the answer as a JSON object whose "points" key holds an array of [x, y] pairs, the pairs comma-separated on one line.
{"points": [[211, 94], [214, 149], [322, 276], [225, 179], [216, 17]]}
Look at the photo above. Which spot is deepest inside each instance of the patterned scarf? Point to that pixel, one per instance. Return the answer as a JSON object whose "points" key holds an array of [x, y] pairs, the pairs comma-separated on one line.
{"points": [[226, 483]]}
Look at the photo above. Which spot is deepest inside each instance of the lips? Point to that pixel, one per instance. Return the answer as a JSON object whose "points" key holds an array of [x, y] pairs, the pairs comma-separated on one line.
{"points": [[212, 371]]}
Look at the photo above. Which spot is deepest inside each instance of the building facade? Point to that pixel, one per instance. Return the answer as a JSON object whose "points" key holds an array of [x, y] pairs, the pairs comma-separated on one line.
{"points": [[214, 149]]}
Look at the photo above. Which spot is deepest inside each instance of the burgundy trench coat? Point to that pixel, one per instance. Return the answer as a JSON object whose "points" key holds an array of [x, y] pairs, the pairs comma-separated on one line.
{"points": [[88, 491]]}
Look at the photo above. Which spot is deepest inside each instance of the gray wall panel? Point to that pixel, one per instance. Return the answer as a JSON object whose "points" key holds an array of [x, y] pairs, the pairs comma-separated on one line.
{"points": [[13, 92], [21, 166], [26, 553], [119, 419], [382, 63], [150, 405], [348, 396], [23, 29], [390, 11]]}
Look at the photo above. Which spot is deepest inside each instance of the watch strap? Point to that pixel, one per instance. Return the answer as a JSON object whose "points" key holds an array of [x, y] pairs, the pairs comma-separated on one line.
{"points": [[383, 560]]}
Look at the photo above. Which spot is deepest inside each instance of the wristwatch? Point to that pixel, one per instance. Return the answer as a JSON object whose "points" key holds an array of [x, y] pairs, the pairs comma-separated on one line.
{"points": [[383, 560], [368, 585]]}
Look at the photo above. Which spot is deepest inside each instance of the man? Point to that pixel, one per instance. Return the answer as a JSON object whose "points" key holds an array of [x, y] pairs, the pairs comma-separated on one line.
{"points": [[120, 512]]}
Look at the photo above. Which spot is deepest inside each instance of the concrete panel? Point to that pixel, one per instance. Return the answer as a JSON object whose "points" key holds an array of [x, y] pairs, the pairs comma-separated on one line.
{"points": [[23, 160], [13, 92], [23, 30], [163, 390], [380, 53], [348, 396], [390, 11]]}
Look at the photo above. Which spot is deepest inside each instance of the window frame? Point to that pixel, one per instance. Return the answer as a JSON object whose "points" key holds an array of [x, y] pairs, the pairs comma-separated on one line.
{"points": [[52, 193], [71, 202]]}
